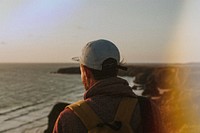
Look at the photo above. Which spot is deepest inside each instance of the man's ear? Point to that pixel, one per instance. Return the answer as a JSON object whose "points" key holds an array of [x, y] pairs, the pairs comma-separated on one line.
{"points": [[87, 72]]}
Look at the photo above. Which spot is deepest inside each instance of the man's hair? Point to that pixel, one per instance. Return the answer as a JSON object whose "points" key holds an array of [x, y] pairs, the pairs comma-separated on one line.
{"points": [[109, 69]]}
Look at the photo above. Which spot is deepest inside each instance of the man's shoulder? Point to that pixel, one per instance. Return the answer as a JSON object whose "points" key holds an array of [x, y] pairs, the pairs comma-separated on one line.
{"points": [[68, 111], [69, 122], [67, 114]]}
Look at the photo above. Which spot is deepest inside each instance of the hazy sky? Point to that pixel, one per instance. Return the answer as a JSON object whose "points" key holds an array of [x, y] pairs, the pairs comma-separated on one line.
{"points": [[56, 30]]}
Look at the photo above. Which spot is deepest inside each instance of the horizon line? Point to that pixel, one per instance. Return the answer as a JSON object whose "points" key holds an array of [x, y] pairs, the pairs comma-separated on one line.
{"points": [[78, 63]]}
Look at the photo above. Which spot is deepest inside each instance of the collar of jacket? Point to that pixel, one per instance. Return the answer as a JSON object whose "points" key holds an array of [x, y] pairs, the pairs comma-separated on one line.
{"points": [[110, 87]]}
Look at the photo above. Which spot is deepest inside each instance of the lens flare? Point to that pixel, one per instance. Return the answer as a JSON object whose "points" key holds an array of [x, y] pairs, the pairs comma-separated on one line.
{"points": [[180, 106]]}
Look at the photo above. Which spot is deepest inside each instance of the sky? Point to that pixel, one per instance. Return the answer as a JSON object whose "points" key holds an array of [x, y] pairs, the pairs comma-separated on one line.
{"points": [[54, 31]]}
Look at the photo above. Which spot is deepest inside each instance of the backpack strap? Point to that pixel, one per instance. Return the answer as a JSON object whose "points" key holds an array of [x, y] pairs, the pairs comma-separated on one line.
{"points": [[86, 114], [125, 109], [124, 113], [91, 120]]}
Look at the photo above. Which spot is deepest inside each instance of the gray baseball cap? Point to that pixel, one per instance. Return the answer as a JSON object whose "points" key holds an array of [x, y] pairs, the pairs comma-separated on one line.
{"points": [[96, 52]]}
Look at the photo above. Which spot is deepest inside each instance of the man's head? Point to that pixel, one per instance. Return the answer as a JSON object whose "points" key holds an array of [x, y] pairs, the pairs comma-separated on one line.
{"points": [[96, 52], [100, 59]]}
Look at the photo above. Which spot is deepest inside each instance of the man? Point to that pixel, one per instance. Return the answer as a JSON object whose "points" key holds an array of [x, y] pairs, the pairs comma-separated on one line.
{"points": [[99, 64]]}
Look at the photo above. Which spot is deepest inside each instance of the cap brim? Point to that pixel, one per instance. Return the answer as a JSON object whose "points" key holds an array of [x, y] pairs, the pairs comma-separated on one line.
{"points": [[76, 59]]}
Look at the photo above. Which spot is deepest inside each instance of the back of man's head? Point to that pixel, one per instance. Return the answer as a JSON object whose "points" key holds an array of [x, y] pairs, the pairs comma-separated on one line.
{"points": [[109, 69], [102, 57]]}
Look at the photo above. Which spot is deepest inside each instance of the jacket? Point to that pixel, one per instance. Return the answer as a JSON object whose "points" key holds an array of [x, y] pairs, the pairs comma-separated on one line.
{"points": [[104, 98]]}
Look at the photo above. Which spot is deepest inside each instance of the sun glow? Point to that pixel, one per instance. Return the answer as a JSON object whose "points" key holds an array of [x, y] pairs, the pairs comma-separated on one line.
{"points": [[182, 106], [185, 43]]}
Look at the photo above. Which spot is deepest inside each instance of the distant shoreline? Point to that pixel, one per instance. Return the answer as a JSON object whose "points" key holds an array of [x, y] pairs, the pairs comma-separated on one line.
{"points": [[128, 64], [133, 69]]}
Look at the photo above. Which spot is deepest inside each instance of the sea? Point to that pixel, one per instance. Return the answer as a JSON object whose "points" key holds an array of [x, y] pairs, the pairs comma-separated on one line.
{"points": [[29, 91]]}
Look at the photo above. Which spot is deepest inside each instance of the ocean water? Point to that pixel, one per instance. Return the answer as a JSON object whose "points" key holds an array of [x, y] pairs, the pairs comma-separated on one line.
{"points": [[29, 91]]}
